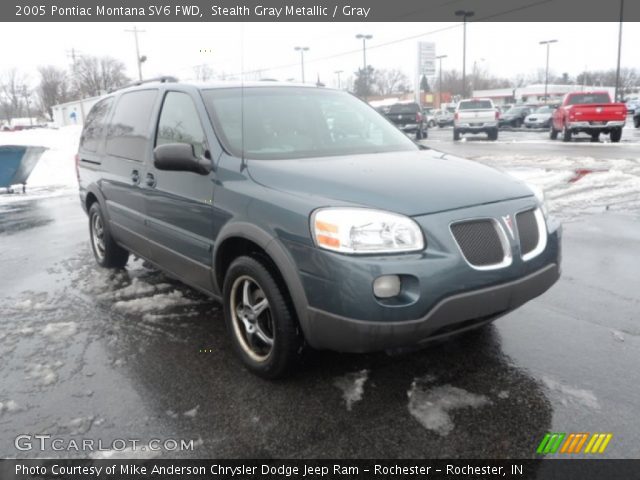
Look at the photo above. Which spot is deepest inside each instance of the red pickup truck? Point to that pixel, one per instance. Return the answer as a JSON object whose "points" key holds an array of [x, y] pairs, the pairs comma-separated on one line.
{"points": [[589, 112]]}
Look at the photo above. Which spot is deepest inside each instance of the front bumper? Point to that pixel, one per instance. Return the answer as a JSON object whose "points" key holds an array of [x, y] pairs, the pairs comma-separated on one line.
{"points": [[440, 289], [450, 316], [596, 125]]}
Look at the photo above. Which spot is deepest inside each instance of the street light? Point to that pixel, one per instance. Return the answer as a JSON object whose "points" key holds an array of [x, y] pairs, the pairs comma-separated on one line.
{"points": [[615, 95], [439, 58], [464, 14], [338, 72], [474, 79], [301, 50], [365, 72], [546, 75]]}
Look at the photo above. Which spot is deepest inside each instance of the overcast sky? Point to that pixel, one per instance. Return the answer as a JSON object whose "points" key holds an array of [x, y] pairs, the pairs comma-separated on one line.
{"points": [[505, 49]]}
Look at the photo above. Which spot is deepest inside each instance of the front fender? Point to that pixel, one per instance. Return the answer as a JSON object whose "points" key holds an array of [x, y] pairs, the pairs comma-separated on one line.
{"points": [[278, 254]]}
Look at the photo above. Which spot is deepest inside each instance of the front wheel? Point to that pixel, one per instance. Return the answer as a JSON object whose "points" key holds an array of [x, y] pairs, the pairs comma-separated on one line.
{"points": [[636, 122], [456, 135], [107, 252], [260, 319], [615, 135]]}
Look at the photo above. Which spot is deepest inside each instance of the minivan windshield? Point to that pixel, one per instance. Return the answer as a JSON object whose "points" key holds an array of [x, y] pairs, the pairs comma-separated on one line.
{"points": [[268, 123]]}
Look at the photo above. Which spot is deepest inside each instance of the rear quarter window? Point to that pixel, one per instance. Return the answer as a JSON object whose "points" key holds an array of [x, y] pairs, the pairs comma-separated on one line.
{"points": [[406, 108], [128, 134], [95, 125]]}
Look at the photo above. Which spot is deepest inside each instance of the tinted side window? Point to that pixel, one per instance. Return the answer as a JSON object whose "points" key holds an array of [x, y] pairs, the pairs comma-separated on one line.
{"points": [[128, 132], [95, 124], [180, 123]]}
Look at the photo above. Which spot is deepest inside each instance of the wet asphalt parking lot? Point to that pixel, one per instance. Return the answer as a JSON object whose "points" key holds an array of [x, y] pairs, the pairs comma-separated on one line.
{"points": [[88, 353]]}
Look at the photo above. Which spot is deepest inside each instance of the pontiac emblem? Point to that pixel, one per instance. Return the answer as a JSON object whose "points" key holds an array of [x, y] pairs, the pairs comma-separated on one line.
{"points": [[508, 222]]}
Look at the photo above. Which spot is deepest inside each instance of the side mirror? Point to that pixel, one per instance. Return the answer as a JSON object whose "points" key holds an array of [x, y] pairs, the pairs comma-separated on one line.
{"points": [[180, 157]]}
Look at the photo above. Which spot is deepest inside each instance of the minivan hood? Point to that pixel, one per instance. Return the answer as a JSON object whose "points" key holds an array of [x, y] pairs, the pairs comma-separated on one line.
{"points": [[411, 183]]}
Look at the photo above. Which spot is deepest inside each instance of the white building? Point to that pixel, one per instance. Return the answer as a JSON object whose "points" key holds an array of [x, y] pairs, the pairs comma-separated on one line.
{"points": [[72, 113], [534, 93]]}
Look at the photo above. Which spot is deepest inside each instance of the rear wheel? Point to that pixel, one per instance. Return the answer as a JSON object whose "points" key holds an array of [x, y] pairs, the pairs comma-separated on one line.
{"points": [[493, 134], [107, 252], [517, 123], [636, 122], [616, 135], [456, 135], [595, 137], [566, 134], [553, 133], [419, 135], [260, 319]]}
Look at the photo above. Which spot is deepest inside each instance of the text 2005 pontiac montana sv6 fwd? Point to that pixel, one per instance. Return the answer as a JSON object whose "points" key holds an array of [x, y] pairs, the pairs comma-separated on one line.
{"points": [[310, 216]]}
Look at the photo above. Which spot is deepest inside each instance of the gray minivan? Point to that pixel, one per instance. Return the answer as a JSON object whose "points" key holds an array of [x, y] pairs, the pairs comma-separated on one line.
{"points": [[309, 216]]}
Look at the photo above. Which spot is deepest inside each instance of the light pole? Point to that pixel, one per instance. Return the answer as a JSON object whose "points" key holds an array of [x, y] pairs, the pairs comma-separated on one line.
{"points": [[439, 58], [464, 14], [546, 74], [139, 59], [338, 72], [474, 79], [365, 72], [301, 50], [615, 95]]}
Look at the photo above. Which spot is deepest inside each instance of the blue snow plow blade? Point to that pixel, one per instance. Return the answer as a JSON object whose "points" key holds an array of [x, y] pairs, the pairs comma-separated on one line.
{"points": [[16, 164]]}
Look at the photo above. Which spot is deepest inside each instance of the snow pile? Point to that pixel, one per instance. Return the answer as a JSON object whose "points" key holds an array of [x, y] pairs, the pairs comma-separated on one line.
{"points": [[10, 407], [352, 386], [160, 301], [60, 331], [55, 173], [569, 395], [576, 185], [43, 374], [193, 412], [136, 288], [431, 406]]}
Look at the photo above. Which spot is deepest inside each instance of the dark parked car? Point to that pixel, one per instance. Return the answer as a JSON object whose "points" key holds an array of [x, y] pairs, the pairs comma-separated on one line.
{"points": [[309, 216], [514, 117], [408, 117]]}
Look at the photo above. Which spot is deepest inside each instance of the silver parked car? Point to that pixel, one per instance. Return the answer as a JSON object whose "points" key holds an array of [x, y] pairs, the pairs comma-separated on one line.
{"points": [[540, 118]]}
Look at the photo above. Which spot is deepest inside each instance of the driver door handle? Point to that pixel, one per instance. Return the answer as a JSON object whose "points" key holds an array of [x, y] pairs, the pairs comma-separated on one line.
{"points": [[150, 180]]}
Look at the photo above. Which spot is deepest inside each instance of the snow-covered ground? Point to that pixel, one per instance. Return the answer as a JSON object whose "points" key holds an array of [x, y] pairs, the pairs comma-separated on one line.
{"points": [[55, 173], [576, 186]]}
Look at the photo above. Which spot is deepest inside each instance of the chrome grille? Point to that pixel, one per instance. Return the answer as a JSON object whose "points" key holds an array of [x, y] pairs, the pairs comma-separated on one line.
{"points": [[527, 231], [479, 242]]}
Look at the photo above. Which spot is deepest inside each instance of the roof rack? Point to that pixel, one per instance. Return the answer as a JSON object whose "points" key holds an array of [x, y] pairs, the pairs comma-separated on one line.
{"points": [[162, 79]]}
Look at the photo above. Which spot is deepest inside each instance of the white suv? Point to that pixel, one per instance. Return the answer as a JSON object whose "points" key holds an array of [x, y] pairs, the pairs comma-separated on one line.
{"points": [[476, 115]]}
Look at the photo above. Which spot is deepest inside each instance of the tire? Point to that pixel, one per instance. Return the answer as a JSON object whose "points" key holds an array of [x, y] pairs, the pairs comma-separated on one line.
{"points": [[636, 122], [566, 134], [106, 251], [615, 135], [456, 135], [419, 134], [553, 133], [595, 137], [268, 343], [493, 134], [517, 123], [432, 124]]}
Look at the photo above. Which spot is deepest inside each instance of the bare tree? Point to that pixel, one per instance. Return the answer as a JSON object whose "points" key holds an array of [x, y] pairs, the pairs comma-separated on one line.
{"points": [[203, 72], [53, 88], [13, 86], [95, 75], [388, 81]]}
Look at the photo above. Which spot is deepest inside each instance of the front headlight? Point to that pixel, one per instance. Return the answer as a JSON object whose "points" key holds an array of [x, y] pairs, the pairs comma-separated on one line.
{"points": [[363, 230], [540, 196]]}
